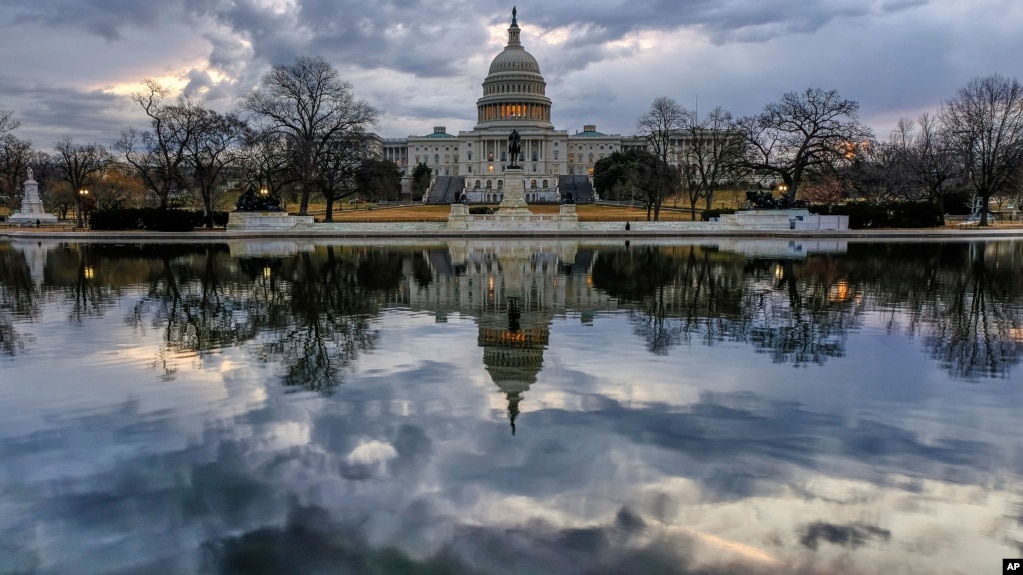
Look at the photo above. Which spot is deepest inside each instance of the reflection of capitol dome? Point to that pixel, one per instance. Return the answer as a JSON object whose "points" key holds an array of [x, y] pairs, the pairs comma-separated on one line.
{"points": [[512, 353], [514, 92]]}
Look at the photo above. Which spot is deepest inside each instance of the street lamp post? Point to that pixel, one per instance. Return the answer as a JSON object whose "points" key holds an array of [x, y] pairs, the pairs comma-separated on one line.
{"points": [[83, 195]]}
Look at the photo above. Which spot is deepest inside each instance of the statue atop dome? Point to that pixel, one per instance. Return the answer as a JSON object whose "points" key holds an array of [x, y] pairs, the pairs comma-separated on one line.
{"points": [[515, 12]]}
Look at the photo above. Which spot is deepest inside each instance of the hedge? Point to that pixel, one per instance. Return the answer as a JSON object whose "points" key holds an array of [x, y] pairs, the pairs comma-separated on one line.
{"points": [[152, 219], [887, 215]]}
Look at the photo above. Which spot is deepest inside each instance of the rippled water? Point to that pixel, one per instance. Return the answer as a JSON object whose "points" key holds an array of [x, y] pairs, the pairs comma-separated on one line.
{"points": [[495, 407]]}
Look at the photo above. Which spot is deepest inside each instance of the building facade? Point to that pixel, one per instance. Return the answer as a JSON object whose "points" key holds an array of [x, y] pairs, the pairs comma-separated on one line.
{"points": [[473, 162]]}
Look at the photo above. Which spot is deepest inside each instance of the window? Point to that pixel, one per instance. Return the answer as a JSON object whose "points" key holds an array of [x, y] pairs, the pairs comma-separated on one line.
{"points": [[504, 156], [556, 154], [556, 170], [500, 184], [490, 184], [478, 184], [470, 156], [571, 158], [591, 157], [545, 183], [490, 168], [490, 156], [535, 156], [468, 168], [532, 185], [436, 158]]}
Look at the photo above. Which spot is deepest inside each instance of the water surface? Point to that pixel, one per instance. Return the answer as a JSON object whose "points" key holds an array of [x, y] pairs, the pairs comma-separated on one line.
{"points": [[493, 407]]}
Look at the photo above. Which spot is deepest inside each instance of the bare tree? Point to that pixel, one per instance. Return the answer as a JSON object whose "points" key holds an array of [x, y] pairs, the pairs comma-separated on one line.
{"points": [[338, 163], [309, 103], [662, 128], [930, 157], [7, 122], [985, 123], [214, 146], [118, 186], [806, 131], [160, 152], [709, 156], [15, 156], [876, 172], [267, 162], [78, 165]]}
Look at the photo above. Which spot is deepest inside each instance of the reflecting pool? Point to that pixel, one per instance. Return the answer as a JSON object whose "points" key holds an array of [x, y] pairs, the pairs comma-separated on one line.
{"points": [[498, 407]]}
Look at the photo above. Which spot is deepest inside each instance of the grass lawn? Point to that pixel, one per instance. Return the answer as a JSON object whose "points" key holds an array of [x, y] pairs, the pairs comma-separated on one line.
{"points": [[587, 213]]}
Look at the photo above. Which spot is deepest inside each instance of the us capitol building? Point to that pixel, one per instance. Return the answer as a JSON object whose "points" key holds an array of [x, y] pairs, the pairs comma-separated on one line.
{"points": [[471, 165]]}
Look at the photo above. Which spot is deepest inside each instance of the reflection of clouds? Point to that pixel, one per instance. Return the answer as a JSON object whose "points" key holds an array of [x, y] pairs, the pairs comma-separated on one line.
{"points": [[688, 463]]}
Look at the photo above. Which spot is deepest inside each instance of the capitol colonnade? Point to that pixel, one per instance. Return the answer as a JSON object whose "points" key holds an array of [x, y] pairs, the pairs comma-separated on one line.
{"points": [[514, 97]]}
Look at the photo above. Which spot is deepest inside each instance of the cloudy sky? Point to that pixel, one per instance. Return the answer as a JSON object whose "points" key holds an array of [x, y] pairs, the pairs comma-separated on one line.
{"points": [[67, 66]]}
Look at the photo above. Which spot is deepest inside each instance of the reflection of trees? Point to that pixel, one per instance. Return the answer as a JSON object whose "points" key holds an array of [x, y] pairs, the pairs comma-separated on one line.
{"points": [[331, 305], [974, 324], [783, 309], [89, 279], [197, 299], [680, 291], [802, 317], [311, 312], [964, 300], [18, 297]]}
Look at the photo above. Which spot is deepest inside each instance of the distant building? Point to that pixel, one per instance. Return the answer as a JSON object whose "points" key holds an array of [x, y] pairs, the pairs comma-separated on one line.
{"points": [[471, 165]]}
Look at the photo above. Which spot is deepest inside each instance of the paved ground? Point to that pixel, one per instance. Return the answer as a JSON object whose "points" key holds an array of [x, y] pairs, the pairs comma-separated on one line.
{"points": [[1001, 231]]}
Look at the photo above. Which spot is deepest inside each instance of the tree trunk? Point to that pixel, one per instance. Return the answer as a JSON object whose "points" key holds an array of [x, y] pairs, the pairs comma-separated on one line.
{"points": [[329, 217], [207, 204]]}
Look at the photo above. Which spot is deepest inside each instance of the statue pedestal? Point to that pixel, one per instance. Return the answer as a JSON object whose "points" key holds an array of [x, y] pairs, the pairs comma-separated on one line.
{"points": [[265, 221], [514, 200], [31, 206]]}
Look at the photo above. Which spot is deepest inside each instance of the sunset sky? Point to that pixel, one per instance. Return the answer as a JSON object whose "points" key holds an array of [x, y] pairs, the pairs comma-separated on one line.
{"points": [[67, 66]]}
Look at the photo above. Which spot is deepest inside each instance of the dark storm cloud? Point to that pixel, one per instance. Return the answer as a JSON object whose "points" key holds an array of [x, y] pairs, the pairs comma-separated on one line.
{"points": [[64, 111], [425, 40], [722, 20], [105, 18]]}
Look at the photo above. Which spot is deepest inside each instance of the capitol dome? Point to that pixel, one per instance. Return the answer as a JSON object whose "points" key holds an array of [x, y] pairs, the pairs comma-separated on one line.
{"points": [[514, 92], [515, 59]]}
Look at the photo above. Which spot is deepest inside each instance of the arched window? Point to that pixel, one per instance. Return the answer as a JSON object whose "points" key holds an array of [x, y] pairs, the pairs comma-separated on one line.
{"points": [[532, 185], [591, 157], [436, 158], [571, 158], [468, 169], [470, 156], [556, 154], [478, 184], [490, 184], [545, 183], [500, 184]]}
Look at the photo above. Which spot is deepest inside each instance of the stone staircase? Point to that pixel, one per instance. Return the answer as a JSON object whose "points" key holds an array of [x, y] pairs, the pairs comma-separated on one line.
{"points": [[578, 188], [445, 190]]}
